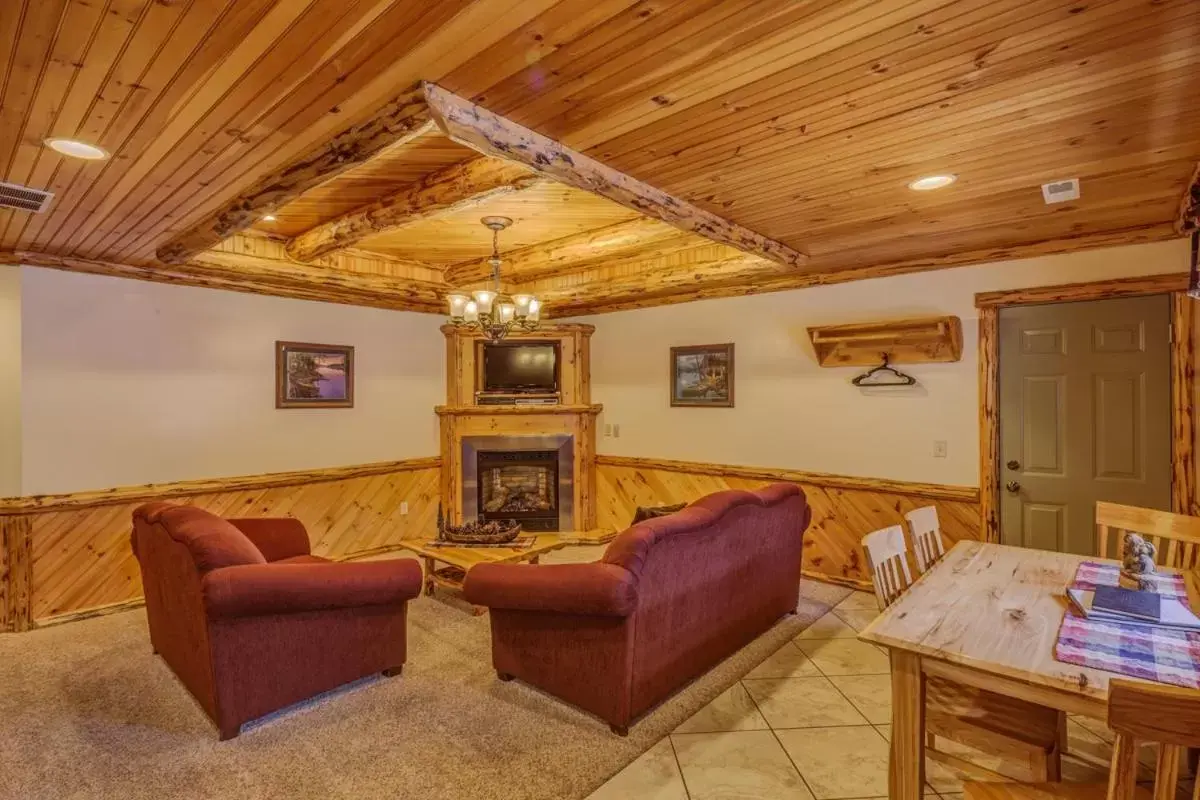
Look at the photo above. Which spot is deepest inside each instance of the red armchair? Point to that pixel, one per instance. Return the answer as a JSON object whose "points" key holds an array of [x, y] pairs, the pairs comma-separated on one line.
{"points": [[250, 621], [671, 597]]}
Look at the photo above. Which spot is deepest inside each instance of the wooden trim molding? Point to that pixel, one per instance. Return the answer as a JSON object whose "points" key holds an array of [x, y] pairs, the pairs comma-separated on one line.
{"points": [[989, 424], [168, 491], [1183, 393], [493, 135], [238, 273], [966, 494], [1183, 430], [403, 118], [16, 573], [1093, 290]]}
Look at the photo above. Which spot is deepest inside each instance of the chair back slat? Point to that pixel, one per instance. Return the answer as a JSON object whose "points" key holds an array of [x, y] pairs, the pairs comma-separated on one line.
{"points": [[1150, 712], [927, 536], [887, 555], [1175, 536]]}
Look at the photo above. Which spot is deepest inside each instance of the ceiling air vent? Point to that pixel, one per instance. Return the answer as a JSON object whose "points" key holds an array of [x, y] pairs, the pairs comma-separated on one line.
{"points": [[22, 198], [1061, 191]]}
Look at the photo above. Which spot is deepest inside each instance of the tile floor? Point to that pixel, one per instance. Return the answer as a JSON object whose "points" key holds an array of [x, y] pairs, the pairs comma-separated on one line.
{"points": [[810, 723]]}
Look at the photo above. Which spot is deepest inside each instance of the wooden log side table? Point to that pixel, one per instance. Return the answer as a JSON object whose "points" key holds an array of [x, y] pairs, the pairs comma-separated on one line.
{"points": [[456, 561]]}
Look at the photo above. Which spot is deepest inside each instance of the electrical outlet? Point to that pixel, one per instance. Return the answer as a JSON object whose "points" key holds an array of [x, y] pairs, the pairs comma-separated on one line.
{"points": [[616, 431], [404, 508], [939, 449]]}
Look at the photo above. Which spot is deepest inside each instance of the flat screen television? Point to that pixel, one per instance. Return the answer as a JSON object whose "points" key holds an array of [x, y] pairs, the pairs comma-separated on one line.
{"points": [[520, 367]]}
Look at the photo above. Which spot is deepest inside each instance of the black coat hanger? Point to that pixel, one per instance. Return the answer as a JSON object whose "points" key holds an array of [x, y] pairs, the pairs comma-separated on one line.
{"points": [[898, 378]]}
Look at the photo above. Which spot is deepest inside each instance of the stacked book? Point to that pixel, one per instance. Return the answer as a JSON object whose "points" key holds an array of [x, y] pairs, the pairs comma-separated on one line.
{"points": [[1118, 604]]}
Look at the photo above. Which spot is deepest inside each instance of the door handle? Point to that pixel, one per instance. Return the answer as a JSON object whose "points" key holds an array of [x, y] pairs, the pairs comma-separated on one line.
{"points": [[1013, 487]]}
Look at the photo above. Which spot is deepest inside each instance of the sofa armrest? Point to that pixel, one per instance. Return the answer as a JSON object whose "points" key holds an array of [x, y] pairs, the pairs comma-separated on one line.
{"points": [[275, 537], [258, 589], [601, 589]]}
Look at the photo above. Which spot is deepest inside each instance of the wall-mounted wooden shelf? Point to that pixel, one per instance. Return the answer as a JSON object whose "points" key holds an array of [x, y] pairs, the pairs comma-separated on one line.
{"points": [[906, 341]]}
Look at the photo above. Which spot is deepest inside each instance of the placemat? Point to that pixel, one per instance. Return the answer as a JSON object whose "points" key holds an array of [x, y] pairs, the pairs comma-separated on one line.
{"points": [[1138, 650]]}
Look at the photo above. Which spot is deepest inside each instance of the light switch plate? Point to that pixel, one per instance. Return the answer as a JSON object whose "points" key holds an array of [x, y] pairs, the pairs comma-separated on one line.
{"points": [[939, 449]]}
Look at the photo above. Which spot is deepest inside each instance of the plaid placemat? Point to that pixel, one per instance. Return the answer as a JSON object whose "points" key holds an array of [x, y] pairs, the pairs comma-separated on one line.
{"points": [[1129, 648]]}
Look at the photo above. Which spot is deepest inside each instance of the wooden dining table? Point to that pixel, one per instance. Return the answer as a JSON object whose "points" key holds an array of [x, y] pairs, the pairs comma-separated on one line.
{"points": [[987, 616]]}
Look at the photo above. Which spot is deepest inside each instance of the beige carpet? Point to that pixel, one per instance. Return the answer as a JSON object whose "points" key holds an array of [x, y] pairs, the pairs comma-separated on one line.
{"points": [[87, 712]]}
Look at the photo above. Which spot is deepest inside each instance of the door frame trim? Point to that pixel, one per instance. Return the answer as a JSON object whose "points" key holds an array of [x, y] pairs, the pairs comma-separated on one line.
{"points": [[1182, 369]]}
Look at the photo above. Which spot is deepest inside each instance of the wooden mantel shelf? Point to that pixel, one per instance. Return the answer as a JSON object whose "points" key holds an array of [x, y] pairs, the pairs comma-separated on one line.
{"points": [[487, 411], [907, 341]]}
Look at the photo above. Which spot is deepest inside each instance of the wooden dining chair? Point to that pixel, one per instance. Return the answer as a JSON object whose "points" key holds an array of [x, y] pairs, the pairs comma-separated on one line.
{"points": [[1137, 713], [887, 556], [1176, 536], [926, 534], [998, 725]]}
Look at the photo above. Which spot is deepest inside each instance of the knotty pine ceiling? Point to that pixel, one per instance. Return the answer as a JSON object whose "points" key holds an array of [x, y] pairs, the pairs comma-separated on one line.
{"points": [[802, 121]]}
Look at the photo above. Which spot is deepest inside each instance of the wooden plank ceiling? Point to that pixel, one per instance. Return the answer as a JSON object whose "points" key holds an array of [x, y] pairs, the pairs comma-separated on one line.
{"points": [[798, 122]]}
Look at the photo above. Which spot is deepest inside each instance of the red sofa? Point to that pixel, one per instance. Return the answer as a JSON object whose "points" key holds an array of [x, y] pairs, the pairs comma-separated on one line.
{"points": [[671, 597], [250, 621]]}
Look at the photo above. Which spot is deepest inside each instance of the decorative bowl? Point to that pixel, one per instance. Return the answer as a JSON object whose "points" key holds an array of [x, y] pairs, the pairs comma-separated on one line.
{"points": [[480, 532]]}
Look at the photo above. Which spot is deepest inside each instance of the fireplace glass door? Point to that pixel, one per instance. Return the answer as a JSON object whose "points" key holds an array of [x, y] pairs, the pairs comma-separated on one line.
{"points": [[520, 485]]}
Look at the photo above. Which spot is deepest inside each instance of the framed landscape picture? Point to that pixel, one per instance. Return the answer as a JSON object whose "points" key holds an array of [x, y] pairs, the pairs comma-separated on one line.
{"points": [[702, 375], [313, 375]]}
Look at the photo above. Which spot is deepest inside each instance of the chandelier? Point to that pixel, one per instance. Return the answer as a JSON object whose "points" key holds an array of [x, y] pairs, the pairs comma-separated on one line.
{"points": [[491, 311]]}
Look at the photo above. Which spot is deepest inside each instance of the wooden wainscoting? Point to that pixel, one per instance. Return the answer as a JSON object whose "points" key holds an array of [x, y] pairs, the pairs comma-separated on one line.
{"points": [[64, 556], [844, 508]]}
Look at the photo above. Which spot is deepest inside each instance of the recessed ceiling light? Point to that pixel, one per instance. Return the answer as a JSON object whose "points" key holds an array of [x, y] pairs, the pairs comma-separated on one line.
{"points": [[74, 149], [269, 218], [929, 182]]}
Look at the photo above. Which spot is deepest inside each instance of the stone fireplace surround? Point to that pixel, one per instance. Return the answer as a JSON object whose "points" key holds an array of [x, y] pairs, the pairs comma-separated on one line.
{"points": [[563, 444]]}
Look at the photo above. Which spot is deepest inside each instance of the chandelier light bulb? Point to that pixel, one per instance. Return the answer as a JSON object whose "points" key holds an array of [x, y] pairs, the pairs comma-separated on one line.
{"points": [[471, 312], [483, 300], [458, 305], [507, 312]]}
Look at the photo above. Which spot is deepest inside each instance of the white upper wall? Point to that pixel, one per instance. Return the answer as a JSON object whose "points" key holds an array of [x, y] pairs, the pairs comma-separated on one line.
{"points": [[791, 413], [128, 382], [10, 381]]}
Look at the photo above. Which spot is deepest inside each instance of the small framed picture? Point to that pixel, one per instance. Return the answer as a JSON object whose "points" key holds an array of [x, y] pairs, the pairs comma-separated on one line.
{"points": [[313, 375], [702, 375]]}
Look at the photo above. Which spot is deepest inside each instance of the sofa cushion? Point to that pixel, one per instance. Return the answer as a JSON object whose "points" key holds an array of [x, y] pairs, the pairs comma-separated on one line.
{"points": [[212, 542]]}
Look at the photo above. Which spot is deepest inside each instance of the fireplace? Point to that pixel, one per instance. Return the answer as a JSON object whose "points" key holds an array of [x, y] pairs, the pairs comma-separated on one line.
{"points": [[520, 485], [527, 478]]}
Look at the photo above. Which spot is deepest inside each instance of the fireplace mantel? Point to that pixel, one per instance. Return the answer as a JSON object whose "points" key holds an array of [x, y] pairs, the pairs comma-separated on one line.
{"points": [[504, 411], [460, 420]]}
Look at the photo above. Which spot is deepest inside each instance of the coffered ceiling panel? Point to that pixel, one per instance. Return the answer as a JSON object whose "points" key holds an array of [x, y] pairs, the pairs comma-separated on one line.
{"points": [[542, 213]]}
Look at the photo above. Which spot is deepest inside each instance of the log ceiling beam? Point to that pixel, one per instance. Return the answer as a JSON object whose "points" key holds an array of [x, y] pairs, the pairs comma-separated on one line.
{"points": [[609, 296], [572, 252], [242, 273], [493, 135], [455, 188], [739, 268], [1189, 205], [402, 119]]}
